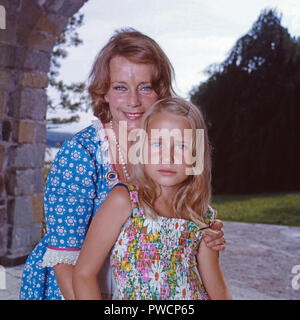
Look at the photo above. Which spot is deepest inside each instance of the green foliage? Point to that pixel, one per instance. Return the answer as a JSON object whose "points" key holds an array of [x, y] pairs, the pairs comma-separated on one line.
{"points": [[72, 97], [251, 103], [282, 208]]}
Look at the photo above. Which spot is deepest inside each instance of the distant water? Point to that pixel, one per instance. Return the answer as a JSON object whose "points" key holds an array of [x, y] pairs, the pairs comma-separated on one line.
{"points": [[56, 139], [54, 142]]}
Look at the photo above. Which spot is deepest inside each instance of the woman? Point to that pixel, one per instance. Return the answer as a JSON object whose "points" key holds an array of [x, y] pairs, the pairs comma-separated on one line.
{"points": [[130, 73]]}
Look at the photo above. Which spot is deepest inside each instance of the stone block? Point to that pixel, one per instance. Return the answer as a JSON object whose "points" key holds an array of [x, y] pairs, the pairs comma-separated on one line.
{"points": [[41, 2], [26, 156], [2, 103], [28, 103], [41, 133], [7, 56], [60, 21], [19, 241], [9, 35], [65, 7], [38, 181], [70, 7], [34, 79], [5, 78], [19, 182], [2, 216], [33, 104], [53, 24], [41, 41], [37, 205], [54, 5], [6, 4], [3, 236], [6, 130], [36, 232], [30, 13], [19, 212], [2, 149], [1, 185], [37, 61], [26, 132]]}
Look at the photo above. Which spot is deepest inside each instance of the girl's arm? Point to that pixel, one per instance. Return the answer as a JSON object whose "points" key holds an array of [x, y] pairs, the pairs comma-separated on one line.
{"points": [[211, 273], [103, 233]]}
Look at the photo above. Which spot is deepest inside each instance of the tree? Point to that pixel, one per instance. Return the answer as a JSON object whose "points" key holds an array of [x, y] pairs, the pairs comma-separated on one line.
{"points": [[72, 97], [251, 103]]}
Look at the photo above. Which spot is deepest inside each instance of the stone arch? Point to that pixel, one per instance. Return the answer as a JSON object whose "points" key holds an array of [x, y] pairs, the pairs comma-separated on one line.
{"points": [[25, 52]]}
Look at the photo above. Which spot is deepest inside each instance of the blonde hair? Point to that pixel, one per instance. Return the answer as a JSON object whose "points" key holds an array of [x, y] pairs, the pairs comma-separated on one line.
{"points": [[194, 194], [137, 48]]}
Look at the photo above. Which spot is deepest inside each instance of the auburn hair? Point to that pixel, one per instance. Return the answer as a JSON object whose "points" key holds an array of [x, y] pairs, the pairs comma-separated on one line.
{"points": [[138, 48]]}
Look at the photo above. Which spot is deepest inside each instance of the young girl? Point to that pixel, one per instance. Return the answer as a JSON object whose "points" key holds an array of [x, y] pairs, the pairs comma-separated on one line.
{"points": [[153, 227]]}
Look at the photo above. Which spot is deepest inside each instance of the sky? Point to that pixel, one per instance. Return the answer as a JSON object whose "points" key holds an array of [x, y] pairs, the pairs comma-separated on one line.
{"points": [[193, 34]]}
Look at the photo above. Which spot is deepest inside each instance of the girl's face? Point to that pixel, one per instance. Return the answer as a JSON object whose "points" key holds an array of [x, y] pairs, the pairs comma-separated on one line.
{"points": [[130, 92], [167, 171]]}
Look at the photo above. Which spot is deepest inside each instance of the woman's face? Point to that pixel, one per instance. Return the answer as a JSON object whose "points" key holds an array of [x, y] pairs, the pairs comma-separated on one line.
{"points": [[130, 92]]}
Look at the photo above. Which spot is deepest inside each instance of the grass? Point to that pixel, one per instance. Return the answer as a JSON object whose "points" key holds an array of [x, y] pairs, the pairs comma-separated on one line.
{"points": [[271, 208], [274, 208]]}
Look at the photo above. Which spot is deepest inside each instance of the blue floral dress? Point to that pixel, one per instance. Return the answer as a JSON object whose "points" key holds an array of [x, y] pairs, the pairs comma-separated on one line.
{"points": [[75, 188]]}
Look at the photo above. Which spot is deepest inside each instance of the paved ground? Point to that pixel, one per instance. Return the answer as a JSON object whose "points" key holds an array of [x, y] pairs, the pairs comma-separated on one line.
{"points": [[259, 259], [257, 263]]}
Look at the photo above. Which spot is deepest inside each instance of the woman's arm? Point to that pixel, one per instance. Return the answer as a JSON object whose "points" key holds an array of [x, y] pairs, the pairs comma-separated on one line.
{"points": [[69, 197], [63, 273], [211, 273], [103, 233]]}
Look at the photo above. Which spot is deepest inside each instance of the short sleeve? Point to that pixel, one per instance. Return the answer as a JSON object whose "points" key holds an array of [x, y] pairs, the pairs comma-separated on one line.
{"points": [[68, 202]]}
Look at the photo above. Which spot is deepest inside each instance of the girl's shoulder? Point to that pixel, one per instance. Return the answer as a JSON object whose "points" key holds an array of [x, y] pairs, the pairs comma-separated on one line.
{"points": [[128, 189], [131, 190], [122, 195]]}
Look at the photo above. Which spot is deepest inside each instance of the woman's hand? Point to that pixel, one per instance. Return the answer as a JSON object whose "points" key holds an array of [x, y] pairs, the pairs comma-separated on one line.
{"points": [[216, 241]]}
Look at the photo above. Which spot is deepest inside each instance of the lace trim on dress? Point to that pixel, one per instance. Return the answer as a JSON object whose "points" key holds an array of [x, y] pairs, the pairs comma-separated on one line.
{"points": [[53, 257]]}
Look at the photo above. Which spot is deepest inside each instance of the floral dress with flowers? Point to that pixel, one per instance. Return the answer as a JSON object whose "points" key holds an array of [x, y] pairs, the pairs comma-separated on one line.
{"points": [[156, 259], [77, 184]]}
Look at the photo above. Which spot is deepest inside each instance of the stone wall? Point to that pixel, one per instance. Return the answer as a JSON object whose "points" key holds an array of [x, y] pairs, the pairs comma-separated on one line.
{"points": [[25, 52]]}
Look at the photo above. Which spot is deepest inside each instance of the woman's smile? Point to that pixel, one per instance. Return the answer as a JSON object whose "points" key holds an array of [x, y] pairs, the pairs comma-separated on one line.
{"points": [[133, 116]]}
